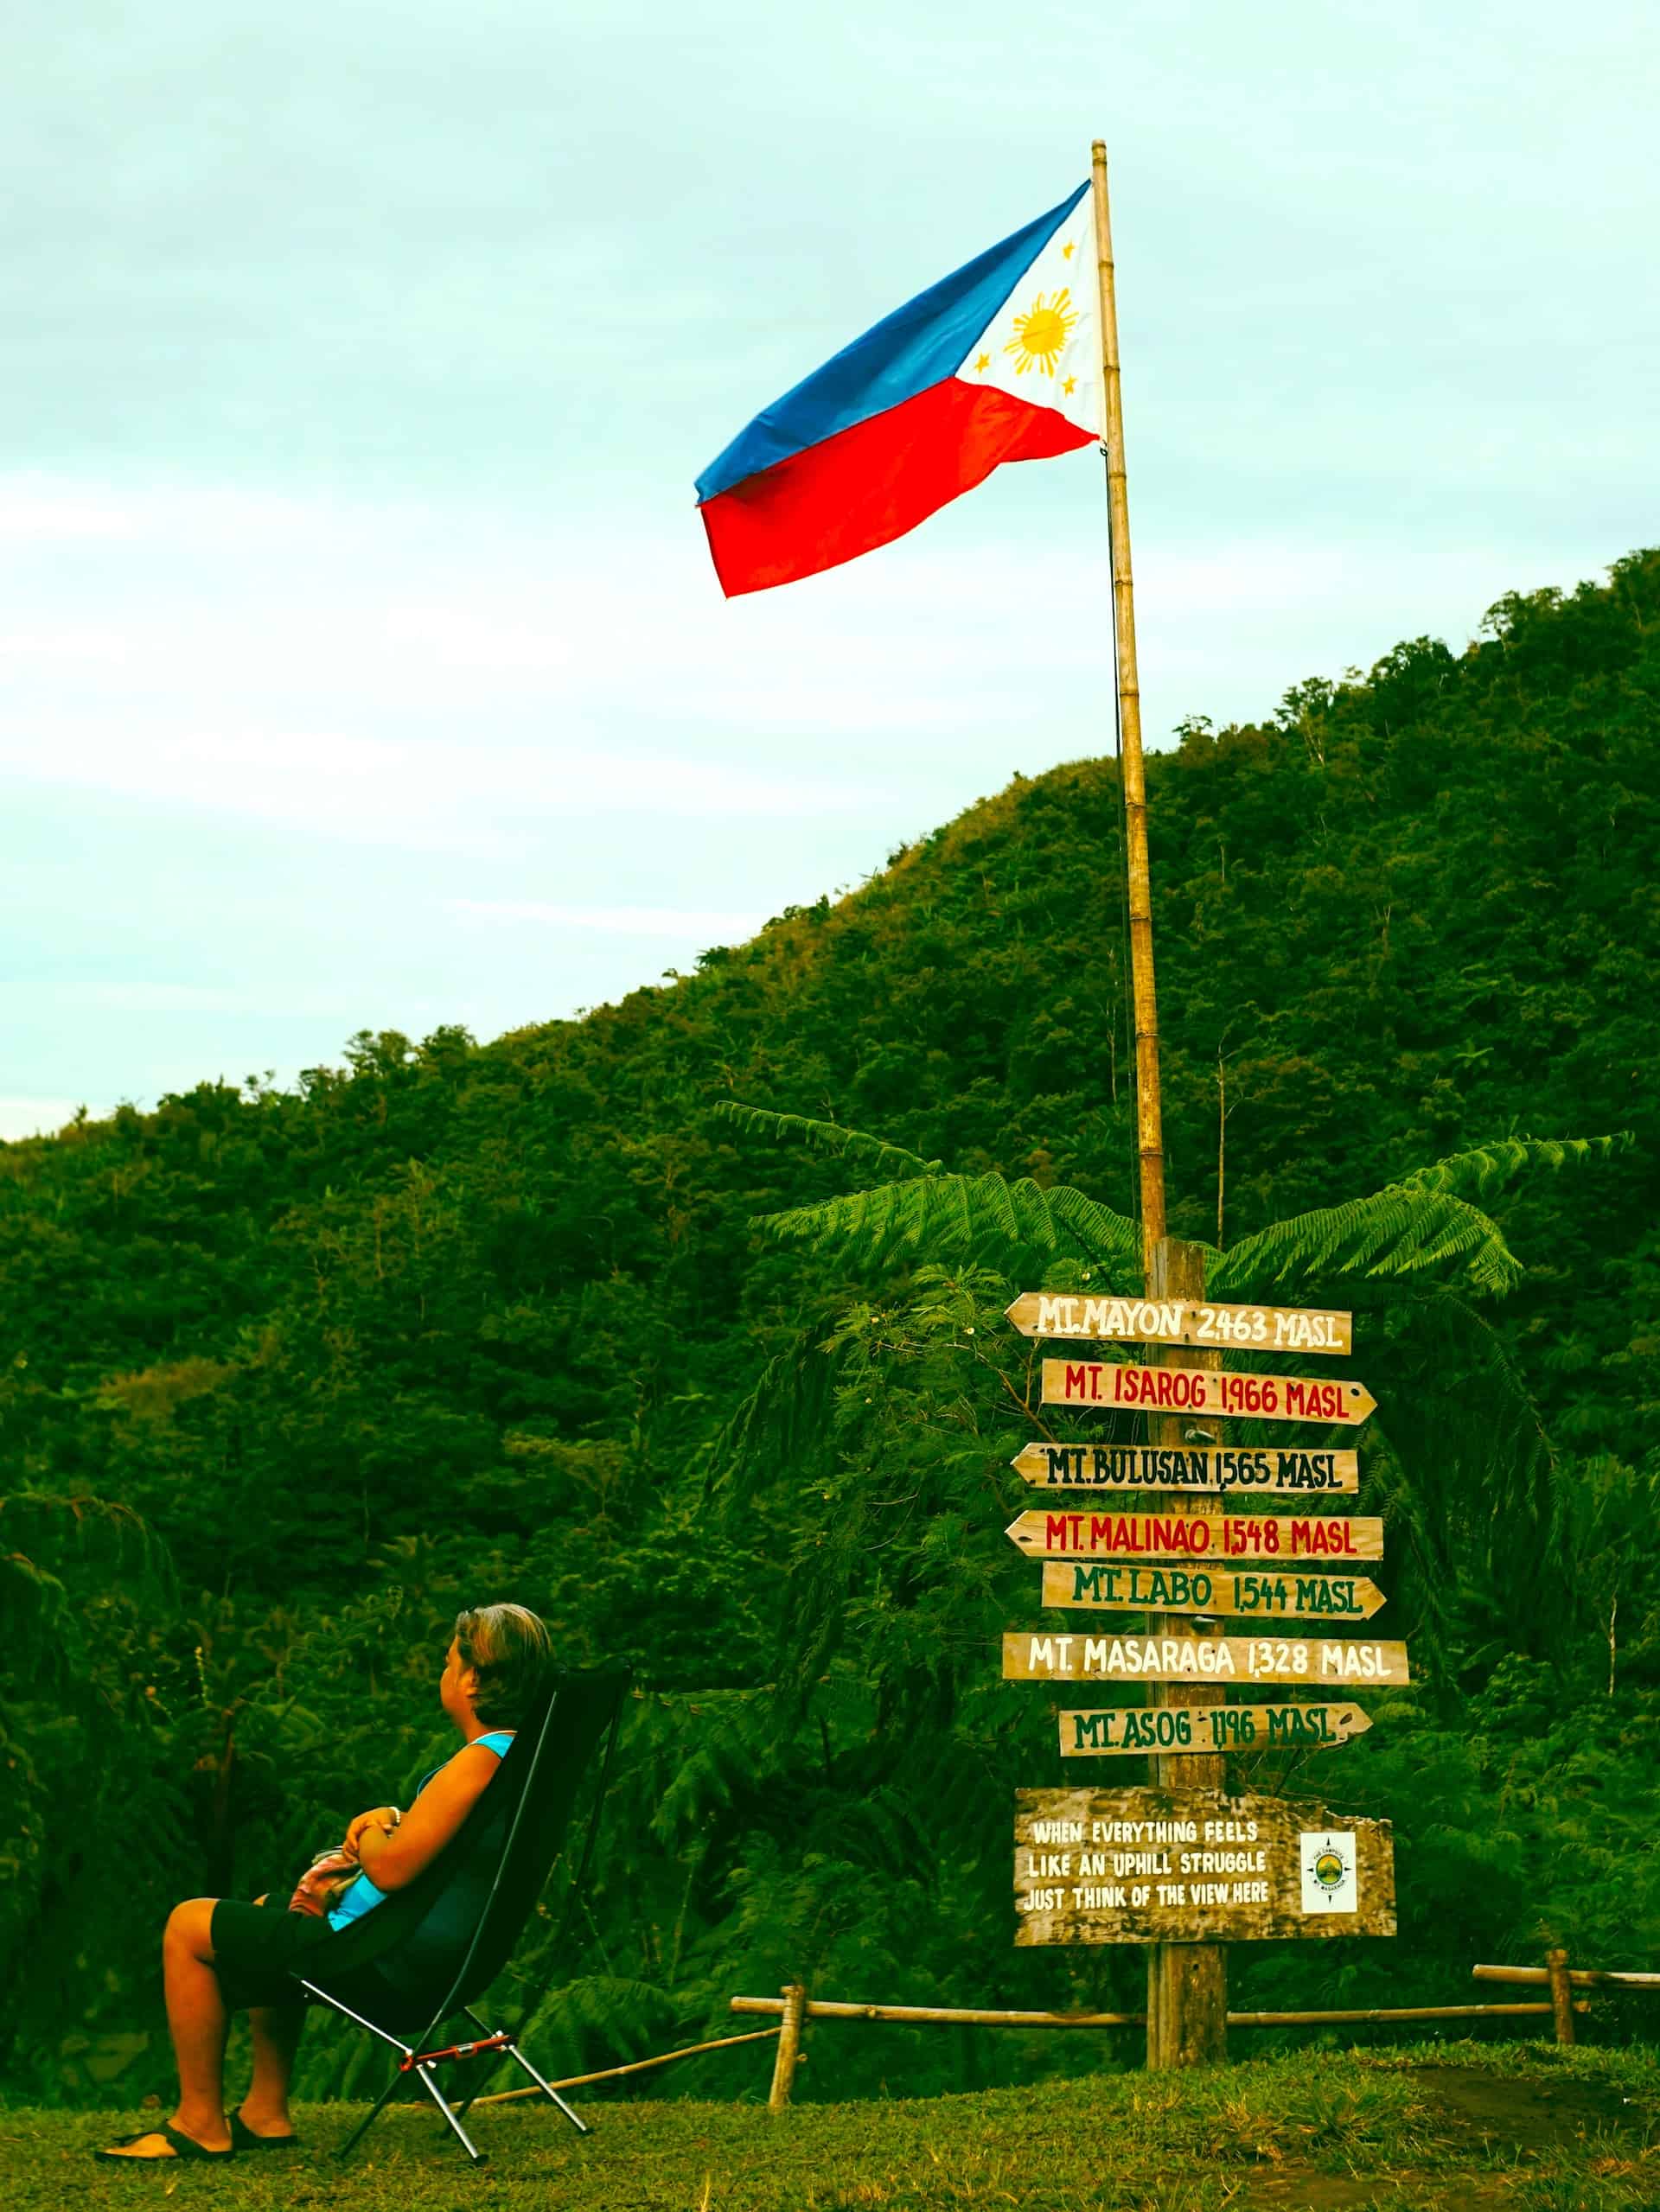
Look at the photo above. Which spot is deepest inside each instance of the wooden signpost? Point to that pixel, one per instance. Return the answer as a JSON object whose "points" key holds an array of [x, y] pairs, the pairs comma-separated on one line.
{"points": [[1181, 1321], [1262, 1593], [1110, 1385], [1126, 1732], [1192, 1866], [1103, 1533], [1041, 1655], [1278, 1469]]}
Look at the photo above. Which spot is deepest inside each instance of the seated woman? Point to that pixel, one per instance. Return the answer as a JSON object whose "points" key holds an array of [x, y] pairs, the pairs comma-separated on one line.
{"points": [[220, 1956]]}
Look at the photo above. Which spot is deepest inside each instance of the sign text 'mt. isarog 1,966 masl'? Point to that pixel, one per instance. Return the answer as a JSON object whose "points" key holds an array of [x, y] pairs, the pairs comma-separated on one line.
{"points": [[1108, 1384], [1179, 1321]]}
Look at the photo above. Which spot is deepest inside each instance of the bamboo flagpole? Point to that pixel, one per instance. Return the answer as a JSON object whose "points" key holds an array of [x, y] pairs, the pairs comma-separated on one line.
{"points": [[1187, 1983], [1150, 1141]]}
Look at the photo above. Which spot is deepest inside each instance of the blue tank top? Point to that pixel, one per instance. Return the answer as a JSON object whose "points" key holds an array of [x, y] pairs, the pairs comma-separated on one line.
{"points": [[363, 1897]]}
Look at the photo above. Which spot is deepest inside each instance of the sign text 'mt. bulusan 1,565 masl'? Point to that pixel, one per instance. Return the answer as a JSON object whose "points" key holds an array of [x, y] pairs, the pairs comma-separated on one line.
{"points": [[1190, 1866], [1110, 1385], [1276, 1468], [1180, 1321]]}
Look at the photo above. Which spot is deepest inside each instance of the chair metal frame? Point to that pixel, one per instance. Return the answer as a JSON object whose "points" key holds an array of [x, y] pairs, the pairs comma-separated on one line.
{"points": [[423, 2057], [423, 2063]]}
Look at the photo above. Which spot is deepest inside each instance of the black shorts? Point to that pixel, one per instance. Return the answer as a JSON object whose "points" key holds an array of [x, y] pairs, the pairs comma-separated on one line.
{"points": [[259, 1949]]}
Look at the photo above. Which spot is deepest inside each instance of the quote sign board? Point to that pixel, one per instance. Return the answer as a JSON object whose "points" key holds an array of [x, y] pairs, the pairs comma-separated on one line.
{"points": [[1129, 1731], [1291, 1661], [1181, 1321], [1243, 1593], [1193, 1867], [1277, 1470], [1057, 1533], [1111, 1385]]}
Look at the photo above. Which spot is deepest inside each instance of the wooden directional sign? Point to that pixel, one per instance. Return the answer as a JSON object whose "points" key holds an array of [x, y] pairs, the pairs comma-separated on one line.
{"points": [[1160, 1466], [1102, 1534], [1203, 1390], [1124, 1731], [1267, 1593], [1029, 1656], [1181, 1321], [1191, 1866]]}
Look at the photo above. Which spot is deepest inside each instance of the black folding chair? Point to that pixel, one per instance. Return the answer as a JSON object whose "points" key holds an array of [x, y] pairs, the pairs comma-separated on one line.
{"points": [[427, 1954]]}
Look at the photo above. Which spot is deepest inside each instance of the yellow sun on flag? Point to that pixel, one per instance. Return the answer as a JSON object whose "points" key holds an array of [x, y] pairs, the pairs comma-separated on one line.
{"points": [[1040, 335]]}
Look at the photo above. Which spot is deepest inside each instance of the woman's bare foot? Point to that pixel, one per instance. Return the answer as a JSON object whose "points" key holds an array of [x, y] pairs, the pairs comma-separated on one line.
{"points": [[167, 2145], [271, 2126]]}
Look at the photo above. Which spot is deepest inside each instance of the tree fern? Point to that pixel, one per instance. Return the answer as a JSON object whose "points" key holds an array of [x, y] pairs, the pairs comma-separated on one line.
{"points": [[1486, 1169], [963, 1217], [1401, 1231], [824, 1136]]}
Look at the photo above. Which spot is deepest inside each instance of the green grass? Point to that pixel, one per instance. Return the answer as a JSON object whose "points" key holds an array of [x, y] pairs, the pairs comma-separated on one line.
{"points": [[1521, 2126]]}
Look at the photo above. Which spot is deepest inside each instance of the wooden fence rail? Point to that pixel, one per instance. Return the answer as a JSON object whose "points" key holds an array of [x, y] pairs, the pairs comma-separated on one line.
{"points": [[795, 2010]]}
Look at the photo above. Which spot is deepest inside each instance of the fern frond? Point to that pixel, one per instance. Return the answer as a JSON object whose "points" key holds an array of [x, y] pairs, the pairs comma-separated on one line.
{"points": [[1486, 1170], [1401, 1231], [823, 1137], [784, 1417], [964, 1216]]}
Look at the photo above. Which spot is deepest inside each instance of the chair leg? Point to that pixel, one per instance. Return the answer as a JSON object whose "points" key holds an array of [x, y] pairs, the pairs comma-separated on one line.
{"points": [[448, 2112], [525, 2066], [547, 2088]]}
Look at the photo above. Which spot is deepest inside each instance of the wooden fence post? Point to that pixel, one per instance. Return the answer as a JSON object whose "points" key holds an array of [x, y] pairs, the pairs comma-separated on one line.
{"points": [[790, 2046], [1561, 1995]]}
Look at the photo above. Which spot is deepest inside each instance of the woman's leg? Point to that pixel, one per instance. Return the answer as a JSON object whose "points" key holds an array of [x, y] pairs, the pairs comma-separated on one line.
{"points": [[197, 2021], [276, 2031]]}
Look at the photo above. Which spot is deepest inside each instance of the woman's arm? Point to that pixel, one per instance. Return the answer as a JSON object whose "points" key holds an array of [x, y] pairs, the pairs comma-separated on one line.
{"points": [[392, 1861]]}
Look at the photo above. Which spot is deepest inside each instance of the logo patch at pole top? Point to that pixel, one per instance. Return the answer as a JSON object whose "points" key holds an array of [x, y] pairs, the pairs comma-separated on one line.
{"points": [[1330, 1883]]}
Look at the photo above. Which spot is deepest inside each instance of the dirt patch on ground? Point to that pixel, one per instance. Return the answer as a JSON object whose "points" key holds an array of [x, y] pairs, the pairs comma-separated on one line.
{"points": [[1531, 2114]]}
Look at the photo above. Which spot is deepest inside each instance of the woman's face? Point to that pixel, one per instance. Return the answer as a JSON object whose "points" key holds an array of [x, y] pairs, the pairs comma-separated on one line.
{"points": [[457, 1685]]}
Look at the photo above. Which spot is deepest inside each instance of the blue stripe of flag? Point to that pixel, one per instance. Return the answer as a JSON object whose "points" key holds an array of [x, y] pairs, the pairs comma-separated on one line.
{"points": [[910, 351]]}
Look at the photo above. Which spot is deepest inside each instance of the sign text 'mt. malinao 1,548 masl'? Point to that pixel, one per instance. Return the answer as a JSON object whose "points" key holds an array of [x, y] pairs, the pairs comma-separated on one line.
{"points": [[1102, 1533], [1110, 1385], [1180, 1321]]}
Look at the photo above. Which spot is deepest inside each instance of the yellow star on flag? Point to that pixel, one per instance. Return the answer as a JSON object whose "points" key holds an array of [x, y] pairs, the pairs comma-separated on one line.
{"points": [[983, 363], [1066, 251], [1069, 383]]}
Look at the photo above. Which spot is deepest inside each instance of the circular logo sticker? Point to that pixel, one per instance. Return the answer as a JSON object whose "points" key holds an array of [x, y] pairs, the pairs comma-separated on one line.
{"points": [[1328, 1869]]}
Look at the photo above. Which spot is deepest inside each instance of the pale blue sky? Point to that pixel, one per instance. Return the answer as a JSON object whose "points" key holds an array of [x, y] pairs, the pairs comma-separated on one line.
{"points": [[360, 664]]}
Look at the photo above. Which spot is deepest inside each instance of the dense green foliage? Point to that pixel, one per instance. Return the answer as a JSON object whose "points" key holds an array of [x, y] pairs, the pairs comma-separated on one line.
{"points": [[285, 1377]]}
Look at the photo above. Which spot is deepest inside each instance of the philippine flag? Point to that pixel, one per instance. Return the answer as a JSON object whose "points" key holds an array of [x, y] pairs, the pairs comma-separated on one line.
{"points": [[999, 363]]}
